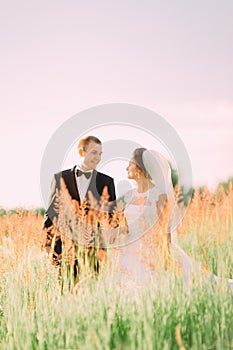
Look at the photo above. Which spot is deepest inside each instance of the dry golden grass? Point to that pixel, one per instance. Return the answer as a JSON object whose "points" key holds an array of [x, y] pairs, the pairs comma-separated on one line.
{"points": [[208, 218], [34, 314], [210, 214], [18, 234], [208, 221]]}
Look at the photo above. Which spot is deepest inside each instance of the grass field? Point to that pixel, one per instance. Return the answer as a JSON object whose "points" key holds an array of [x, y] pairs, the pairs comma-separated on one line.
{"points": [[166, 315]]}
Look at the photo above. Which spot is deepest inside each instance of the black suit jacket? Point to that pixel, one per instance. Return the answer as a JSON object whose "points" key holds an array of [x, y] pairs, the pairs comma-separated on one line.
{"points": [[96, 186]]}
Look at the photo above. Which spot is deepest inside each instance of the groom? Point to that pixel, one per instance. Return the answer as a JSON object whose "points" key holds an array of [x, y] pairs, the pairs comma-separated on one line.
{"points": [[81, 181]]}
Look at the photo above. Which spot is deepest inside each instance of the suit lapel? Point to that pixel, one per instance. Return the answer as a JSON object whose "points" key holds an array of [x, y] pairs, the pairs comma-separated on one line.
{"points": [[93, 186], [71, 184]]}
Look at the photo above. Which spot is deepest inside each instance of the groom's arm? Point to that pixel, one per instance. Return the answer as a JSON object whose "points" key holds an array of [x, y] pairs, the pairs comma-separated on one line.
{"points": [[112, 196], [107, 184], [48, 227], [50, 212], [118, 223]]}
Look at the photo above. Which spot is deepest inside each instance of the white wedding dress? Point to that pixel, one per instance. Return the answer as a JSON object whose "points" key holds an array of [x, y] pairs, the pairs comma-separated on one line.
{"points": [[133, 267], [133, 252], [132, 258]]}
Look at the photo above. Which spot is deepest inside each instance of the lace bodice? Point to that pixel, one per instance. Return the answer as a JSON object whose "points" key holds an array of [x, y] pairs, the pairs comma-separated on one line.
{"points": [[140, 211]]}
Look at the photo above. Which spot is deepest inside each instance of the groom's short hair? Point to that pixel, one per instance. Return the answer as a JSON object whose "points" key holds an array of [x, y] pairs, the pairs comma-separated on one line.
{"points": [[84, 142]]}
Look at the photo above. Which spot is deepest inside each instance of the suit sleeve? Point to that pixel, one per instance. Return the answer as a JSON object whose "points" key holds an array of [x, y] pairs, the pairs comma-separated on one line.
{"points": [[50, 212], [112, 195], [112, 192]]}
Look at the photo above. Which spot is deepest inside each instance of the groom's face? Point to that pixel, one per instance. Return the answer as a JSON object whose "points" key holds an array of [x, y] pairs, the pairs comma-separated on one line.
{"points": [[92, 155]]}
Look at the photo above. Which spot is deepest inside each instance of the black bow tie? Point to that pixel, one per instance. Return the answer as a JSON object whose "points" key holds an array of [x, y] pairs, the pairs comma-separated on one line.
{"points": [[87, 174]]}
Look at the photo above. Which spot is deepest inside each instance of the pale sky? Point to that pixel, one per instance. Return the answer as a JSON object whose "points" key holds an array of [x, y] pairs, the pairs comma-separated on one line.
{"points": [[60, 57]]}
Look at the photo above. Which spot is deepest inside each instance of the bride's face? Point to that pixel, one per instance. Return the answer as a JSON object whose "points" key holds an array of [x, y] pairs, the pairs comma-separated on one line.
{"points": [[133, 170]]}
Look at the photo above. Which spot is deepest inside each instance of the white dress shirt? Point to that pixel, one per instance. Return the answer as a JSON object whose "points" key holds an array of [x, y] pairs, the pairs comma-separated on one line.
{"points": [[82, 182]]}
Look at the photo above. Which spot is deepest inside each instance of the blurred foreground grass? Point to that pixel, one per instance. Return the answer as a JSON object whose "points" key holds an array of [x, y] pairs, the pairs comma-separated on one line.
{"points": [[163, 315]]}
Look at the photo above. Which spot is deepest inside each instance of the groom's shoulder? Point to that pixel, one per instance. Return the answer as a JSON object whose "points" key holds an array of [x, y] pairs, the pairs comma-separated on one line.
{"points": [[104, 176], [64, 173]]}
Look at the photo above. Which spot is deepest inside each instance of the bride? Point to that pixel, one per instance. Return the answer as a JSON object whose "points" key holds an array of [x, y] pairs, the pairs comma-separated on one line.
{"points": [[152, 216], [143, 208]]}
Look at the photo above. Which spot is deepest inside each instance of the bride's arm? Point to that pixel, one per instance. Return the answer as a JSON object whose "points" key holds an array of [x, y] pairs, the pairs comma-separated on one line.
{"points": [[164, 214], [171, 215], [161, 203]]}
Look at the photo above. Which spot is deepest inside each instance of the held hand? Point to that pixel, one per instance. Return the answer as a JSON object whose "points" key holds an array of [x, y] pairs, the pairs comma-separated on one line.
{"points": [[47, 250]]}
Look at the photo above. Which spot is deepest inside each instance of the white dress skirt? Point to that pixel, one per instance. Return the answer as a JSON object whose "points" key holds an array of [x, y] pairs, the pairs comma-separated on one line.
{"points": [[132, 257]]}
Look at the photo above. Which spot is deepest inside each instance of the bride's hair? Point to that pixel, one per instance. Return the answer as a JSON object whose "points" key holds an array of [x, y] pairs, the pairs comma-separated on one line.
{"points": [[137, 157]]}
